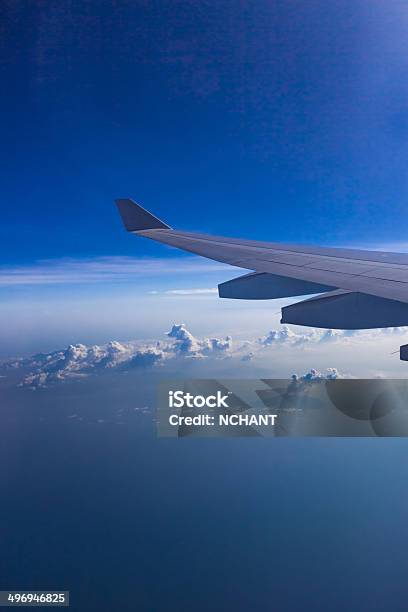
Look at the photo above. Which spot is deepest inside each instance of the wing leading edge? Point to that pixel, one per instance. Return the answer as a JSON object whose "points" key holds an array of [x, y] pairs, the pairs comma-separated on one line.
{"points": [[370, 281]]}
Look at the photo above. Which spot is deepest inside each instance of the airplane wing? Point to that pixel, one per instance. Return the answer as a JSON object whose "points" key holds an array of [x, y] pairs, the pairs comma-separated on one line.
{"points": [[359, 289]]}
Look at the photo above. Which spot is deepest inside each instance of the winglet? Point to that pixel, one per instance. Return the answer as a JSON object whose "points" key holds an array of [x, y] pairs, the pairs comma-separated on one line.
{"points": [[135, 218]]}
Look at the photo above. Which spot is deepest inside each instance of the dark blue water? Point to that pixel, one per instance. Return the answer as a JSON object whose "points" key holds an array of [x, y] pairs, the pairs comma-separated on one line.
{"points": [[93, 503]]}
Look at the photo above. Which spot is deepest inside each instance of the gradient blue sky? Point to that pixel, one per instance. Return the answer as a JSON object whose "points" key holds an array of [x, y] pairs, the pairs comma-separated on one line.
{"points": [[281, 120], [272, 119]]}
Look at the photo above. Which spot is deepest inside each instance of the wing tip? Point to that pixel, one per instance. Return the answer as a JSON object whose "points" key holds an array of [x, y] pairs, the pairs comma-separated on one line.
{"points": [[136, 218]]}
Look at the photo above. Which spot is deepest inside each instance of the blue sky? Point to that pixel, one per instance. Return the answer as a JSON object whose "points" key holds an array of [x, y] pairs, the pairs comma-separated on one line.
{"points": [[269, 120], [274, 119]]}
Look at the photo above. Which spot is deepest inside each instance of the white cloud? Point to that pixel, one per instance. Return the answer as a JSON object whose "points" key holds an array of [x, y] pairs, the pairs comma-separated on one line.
{"points": [[79, 360], [280, 336], [145, 358], [192, 291], [331, 335], [186, 344], [103, 269], [286, 336], [314, 375]]}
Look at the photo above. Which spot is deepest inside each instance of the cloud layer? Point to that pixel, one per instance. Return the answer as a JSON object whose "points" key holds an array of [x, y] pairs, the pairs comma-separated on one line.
{"points": [[103, 269], [80, 360]]}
